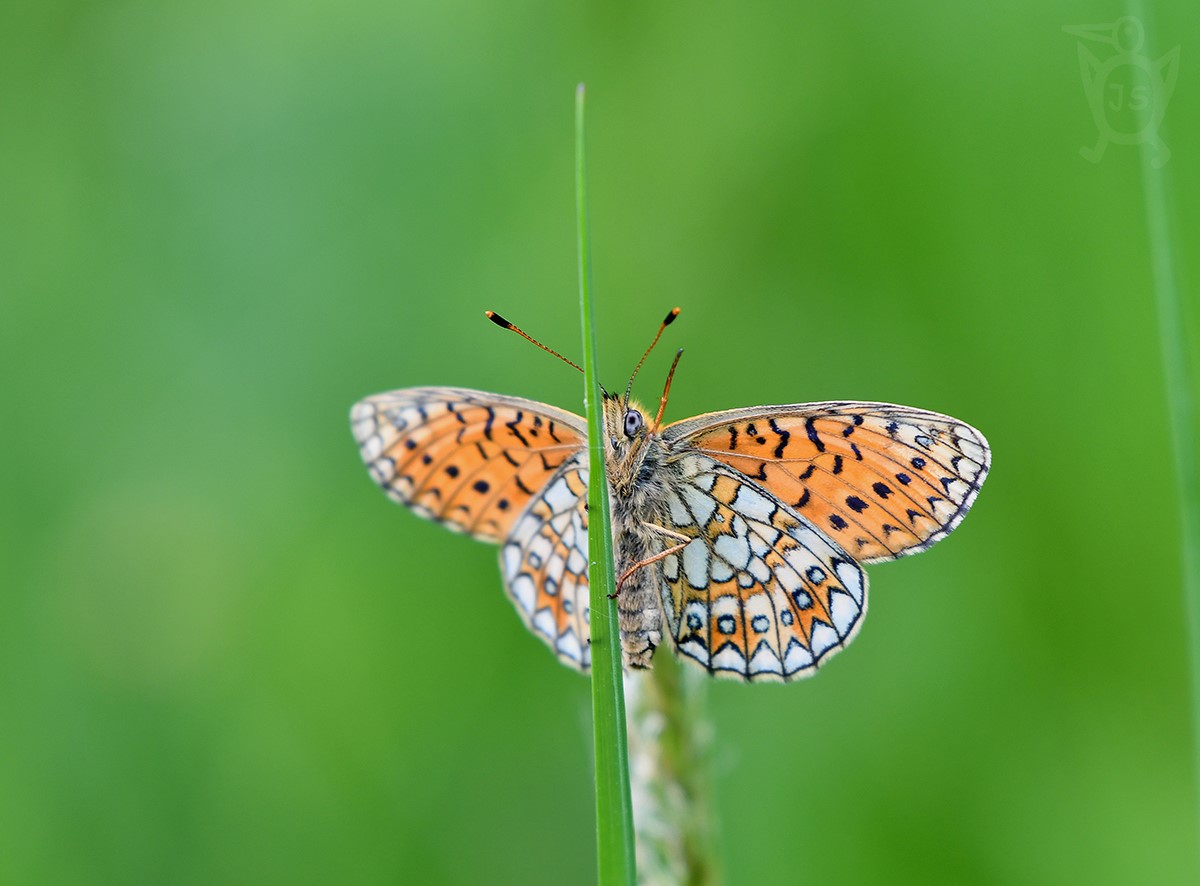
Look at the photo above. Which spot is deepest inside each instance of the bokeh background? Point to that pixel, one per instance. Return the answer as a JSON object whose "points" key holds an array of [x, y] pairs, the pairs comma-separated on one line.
{"points": [[226, 657]]}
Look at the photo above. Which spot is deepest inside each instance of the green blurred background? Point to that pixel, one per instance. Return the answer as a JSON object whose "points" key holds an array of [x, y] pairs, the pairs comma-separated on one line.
{"points": [[223, 653]]}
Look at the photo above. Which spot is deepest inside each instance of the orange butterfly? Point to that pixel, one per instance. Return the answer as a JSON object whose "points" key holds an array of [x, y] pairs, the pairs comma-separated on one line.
{"points": [[740, 534]]}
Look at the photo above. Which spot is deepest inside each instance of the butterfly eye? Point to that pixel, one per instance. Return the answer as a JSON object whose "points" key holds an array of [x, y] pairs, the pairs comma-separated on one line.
{"points": [[633, 422]]}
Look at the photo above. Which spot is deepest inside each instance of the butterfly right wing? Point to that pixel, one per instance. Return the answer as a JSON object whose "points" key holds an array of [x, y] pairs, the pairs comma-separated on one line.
{"points": [[882, 480], [759, 593], [470, 460]]}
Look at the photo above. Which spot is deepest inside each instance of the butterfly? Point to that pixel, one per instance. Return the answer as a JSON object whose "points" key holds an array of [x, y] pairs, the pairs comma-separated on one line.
{"points": [[739, 535]]}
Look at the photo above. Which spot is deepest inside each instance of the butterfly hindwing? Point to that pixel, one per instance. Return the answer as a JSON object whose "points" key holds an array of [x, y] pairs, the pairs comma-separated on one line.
{"points": [[467, 459], [759, 593], [882, 480], [544, 563]]}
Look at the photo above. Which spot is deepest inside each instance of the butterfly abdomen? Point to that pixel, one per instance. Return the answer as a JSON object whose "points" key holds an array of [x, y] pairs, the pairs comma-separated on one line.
{"points": [[639, 613]]}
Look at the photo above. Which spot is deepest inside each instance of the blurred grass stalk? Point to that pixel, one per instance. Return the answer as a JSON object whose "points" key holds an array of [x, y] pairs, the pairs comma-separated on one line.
{"points": [[669, 740], [615, 856], [1180, 385]]}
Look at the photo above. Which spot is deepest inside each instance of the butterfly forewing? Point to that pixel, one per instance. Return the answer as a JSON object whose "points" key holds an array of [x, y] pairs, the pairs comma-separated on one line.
{"points": [[881, 480], [467, 459], [758, 594]]}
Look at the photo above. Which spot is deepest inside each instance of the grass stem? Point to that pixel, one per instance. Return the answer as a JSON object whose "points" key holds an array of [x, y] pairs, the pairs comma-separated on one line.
{"points": [[1178, 378], [669, 740], [615, 857]]}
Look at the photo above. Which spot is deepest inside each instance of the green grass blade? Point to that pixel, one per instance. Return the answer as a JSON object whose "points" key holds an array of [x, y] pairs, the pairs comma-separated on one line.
{"points": [[1179, 380], [614, 812]]}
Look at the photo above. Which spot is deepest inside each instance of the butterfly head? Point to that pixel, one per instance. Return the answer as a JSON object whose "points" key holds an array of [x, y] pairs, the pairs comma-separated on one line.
{"points": [[629, 440]]}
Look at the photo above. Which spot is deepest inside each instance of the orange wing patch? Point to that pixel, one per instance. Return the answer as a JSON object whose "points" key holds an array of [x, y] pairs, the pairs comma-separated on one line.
{"points": [[469, 460], [882, 480]]}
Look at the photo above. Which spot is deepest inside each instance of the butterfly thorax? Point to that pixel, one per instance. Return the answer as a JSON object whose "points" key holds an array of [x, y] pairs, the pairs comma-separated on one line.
{"points": [[638, 475]]}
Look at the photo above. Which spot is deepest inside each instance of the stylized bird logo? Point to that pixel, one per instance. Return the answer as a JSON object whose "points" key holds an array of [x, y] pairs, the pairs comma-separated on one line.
{"points": [[1128, 92]]}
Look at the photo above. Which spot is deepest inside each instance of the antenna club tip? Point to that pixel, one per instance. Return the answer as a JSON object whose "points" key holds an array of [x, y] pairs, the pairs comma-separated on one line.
{"points": [[671, 317], [497, 319]]}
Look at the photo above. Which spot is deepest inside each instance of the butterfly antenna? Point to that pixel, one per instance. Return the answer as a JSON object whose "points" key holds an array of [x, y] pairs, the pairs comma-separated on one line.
{"points": [[670, 318], [504, 324], [662, 405]]}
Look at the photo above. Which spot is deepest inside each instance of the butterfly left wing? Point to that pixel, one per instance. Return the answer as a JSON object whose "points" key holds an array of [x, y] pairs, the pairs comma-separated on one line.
{"points": [[469, 460], [544, 562], [759, 593], [882, 480]]}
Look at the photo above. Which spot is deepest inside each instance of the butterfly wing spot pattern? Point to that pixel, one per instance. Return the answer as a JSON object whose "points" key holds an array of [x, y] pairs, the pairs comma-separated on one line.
{"points": [[882, 480], [467, 460], [758, 594], [783, 505], [545, 563]]}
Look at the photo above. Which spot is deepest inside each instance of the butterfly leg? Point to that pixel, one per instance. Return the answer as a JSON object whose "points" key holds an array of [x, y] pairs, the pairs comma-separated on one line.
{"points": [[684, 541]]}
